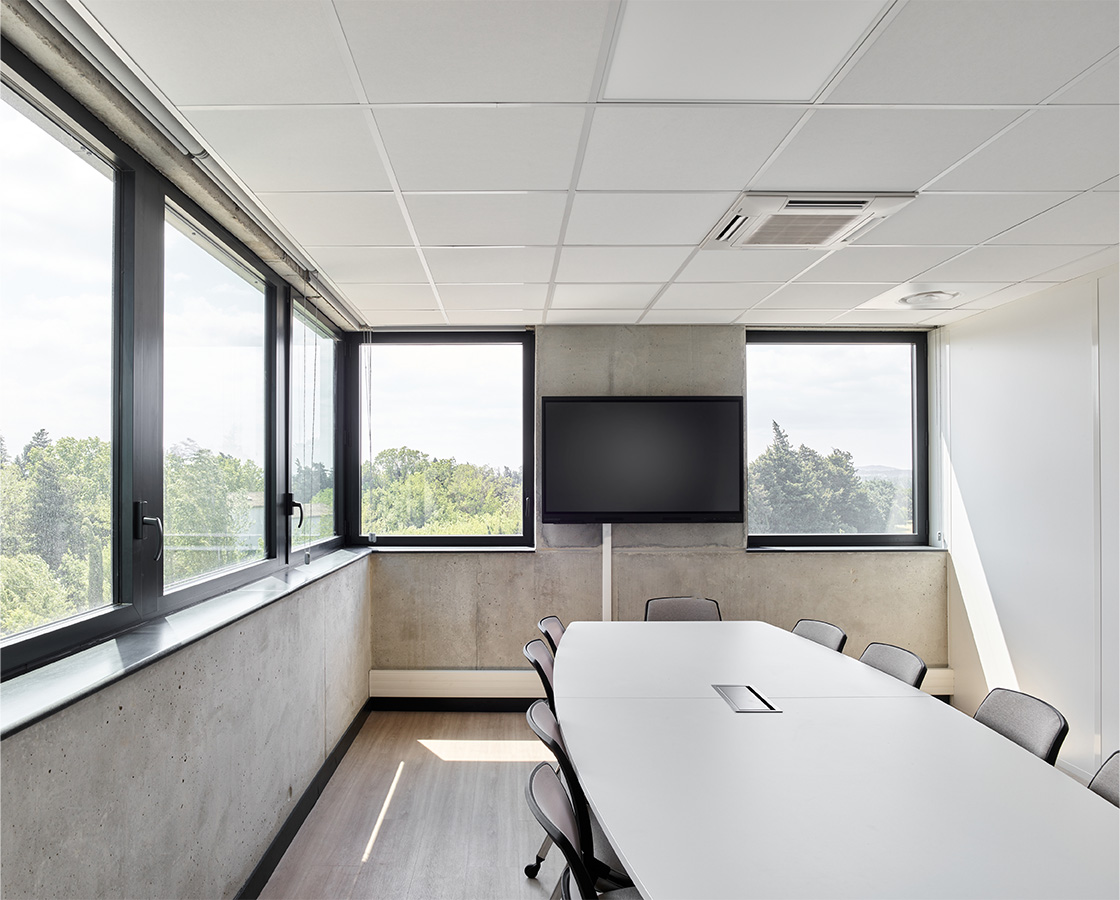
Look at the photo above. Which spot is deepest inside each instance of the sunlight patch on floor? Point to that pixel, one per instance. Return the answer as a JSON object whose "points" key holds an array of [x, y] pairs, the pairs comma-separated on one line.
{"points": [[489, 751]]}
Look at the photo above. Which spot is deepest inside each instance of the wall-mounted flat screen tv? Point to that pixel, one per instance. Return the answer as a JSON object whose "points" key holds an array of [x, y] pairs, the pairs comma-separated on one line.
{"points": [[641, 459]]}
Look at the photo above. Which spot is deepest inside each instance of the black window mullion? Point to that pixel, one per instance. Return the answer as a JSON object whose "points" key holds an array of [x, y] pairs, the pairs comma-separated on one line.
{"points": [[141, 431]]}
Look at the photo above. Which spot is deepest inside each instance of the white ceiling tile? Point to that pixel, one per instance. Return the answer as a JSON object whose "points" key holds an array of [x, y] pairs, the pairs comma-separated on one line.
{"points": [[681, 148], [369, 265], [958, 218], [749, 264], [593, 264], [964, 51], [493, 296], [1006, 295], [206, 52], [948, 317], [644, 218], [992, 263], [1099, 86], [691, 316], [592, 316], [713, 50], [714, 296], [476, 219], [1089, 218], [341, 219], [899, 317], [1052, 149], [603, 296], [490, 265], [299, 149], [822, 296], [419, 51], [878, 149], [505, 148], [792, 317], [494, 318], [964, 292], [864, 264], [395, 318], [390, 296], [1091, 263]]}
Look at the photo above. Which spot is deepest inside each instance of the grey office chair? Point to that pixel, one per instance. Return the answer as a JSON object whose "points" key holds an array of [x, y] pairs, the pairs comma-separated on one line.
{"points": [[824, 633], [598, 855], [552, 629], [1107, 780], [902, 664], [551, 807], [682, 609], [538, 654], [1031, 723]]}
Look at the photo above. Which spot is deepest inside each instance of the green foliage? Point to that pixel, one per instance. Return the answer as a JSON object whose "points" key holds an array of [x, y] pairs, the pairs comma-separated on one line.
{"points": [[406, 492], [56, 518], [802, 492]]}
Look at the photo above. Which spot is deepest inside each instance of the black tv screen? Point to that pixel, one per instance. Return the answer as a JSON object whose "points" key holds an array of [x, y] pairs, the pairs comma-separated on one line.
{"points": [[641, 459]]}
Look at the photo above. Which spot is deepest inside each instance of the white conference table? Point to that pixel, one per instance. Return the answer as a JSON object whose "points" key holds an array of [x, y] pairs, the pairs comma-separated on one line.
{"points": [[861, 787]]}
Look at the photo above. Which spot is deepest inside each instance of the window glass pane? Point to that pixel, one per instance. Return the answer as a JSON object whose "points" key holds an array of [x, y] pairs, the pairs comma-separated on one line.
{"points": [[312, 428], [56, 377], [829, 438], [441, 439], [213, 407]]}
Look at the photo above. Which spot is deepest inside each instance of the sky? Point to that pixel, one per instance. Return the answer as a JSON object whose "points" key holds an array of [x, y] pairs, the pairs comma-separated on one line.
{"points": [[446, 400], [460, 401]]}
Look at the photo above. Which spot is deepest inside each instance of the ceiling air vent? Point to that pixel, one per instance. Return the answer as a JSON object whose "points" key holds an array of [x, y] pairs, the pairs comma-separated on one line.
{"points": [[800, 220]]}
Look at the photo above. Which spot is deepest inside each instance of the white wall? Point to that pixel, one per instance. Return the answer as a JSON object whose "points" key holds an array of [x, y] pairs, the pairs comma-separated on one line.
{"points": [[1029, 463]]}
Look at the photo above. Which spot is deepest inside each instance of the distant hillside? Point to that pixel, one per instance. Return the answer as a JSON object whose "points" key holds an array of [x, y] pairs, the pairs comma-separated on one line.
{"points": [[886, 473]]}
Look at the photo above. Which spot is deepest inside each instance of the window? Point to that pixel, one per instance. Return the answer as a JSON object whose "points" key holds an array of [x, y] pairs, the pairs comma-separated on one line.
{"points": [[213, 406], [445, 429], [312, 428], [140, 464], [56, 373], [836, 438]]}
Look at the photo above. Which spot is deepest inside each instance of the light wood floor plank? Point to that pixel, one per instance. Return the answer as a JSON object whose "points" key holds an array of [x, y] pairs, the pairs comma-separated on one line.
{"points": [[455, 829]]}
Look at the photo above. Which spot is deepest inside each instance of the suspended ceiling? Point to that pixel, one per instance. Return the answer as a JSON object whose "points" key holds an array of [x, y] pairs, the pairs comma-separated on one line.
{"points": [[519, 162]]}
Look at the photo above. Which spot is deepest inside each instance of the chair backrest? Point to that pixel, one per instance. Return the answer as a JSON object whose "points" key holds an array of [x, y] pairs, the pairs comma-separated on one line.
{"points": [[1031, 723], [538, 654], [551, 807], [819, 632], [902, 664], [543, 722], [552, 629], [682, 609], [1107, 780]]}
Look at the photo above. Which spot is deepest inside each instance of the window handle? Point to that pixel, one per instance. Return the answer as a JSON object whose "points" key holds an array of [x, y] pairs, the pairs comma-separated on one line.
{"points": [[293, 504], [141, 521]]}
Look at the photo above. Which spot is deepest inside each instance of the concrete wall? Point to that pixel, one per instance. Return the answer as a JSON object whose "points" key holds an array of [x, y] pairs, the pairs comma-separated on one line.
{"points": [[173, 781], [1031, 462], [476, 610]]}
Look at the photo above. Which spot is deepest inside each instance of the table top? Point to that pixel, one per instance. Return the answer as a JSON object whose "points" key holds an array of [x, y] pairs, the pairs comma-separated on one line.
{"points": [[860, 787]]}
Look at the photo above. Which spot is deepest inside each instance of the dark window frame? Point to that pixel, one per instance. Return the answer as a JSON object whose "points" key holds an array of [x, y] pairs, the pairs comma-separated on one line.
{"points": [[328, 544], [141, 194], [919, 433], [352, 429]]}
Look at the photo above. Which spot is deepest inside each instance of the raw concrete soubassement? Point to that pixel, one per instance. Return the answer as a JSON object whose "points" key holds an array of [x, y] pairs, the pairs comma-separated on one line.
{"points": [[173, 781], [475, 611]]}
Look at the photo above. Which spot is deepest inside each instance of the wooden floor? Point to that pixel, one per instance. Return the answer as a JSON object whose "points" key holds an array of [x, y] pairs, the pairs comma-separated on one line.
{"points": [[453, 829]]}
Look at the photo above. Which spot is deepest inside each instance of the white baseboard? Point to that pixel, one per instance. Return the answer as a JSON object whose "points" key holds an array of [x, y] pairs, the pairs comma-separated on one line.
{"points": [[475, 683], [467, 683]]}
